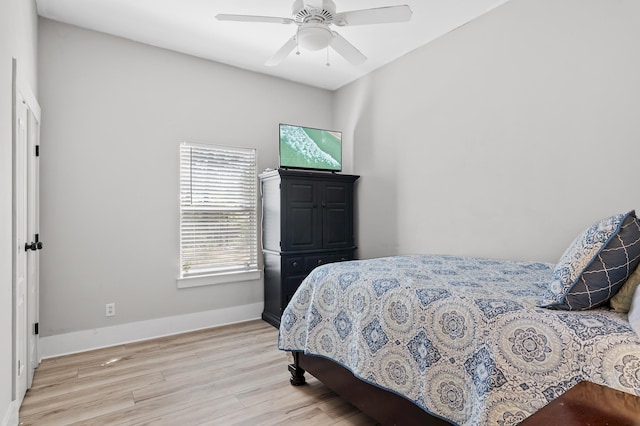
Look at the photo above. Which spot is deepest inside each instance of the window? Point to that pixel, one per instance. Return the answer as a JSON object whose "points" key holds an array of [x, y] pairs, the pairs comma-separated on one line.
{"points": [[218, 214]]}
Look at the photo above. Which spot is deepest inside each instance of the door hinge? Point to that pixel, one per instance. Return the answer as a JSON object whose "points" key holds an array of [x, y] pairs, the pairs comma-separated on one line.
{"points": [[36, 328], [37, 150]]}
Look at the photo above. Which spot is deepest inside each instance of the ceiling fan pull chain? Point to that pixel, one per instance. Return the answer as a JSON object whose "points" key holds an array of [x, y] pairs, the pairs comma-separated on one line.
{"points": [[328, 63], [297, 42]]}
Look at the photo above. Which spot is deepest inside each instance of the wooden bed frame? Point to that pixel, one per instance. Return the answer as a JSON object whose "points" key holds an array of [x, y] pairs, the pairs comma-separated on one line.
{"points": [[584, 403], [386, 407]]}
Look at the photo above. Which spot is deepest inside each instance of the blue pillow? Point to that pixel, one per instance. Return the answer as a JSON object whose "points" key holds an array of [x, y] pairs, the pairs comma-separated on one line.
{"points": [[597, 264]]}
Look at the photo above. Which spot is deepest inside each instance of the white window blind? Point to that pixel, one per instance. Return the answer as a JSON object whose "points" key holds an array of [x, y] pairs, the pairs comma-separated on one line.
{"points": [[218, 210]]}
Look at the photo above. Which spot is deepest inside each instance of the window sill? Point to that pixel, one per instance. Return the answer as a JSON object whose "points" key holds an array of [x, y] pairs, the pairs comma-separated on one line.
{"points": [[215, 279]]}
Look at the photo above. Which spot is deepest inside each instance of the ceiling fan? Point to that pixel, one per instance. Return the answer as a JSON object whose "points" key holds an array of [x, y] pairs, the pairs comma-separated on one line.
{"points": [[313, 18]]}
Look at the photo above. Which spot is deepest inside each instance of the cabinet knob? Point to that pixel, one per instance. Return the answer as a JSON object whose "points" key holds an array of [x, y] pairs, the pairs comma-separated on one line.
{"points": [[295, 264], [319, 261]]}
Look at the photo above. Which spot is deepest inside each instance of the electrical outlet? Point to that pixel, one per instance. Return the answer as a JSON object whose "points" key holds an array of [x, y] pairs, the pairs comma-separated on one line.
{"points": [[110, 309]]}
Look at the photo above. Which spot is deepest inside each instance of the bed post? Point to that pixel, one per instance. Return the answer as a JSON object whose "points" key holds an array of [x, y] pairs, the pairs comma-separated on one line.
{"points": [[297, 373]]}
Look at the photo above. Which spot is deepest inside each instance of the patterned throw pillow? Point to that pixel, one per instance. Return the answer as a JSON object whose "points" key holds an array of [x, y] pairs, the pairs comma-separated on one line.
{"points": [[621, 302], [596, 264]]}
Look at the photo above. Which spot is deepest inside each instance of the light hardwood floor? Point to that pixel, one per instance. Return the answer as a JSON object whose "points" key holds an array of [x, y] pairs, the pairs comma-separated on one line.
{"points": [[231, 375]]}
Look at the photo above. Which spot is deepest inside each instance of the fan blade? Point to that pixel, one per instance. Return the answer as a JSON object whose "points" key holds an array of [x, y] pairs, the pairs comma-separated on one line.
{"points": [[347, 50], [379, 15], [282, 53], [251, 18]]}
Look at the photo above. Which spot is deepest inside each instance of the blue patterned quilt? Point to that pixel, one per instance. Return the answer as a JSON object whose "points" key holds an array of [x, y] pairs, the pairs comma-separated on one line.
{"points": [[463, 338]]}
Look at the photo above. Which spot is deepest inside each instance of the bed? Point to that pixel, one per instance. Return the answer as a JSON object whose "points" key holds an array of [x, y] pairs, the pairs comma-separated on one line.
{"points": [[465, 340]]}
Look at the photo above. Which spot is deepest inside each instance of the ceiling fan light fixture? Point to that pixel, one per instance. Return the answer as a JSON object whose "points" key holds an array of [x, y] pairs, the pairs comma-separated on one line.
{"points": [[314, 37]]}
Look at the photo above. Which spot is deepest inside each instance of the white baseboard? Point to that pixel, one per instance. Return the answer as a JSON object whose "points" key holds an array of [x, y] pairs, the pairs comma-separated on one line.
{"points": [[80, 341], [11, 416]]}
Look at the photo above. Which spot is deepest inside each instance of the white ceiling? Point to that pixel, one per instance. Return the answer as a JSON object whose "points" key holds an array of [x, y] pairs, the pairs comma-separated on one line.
{"points": [[189, 26]]}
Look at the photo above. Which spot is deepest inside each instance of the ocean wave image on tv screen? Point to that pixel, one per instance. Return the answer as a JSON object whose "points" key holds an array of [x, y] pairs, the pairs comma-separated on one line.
{"points": [[310, 148]]}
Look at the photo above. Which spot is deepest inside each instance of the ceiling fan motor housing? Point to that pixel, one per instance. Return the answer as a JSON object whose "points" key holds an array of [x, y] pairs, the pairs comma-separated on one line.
{"points": [[304, 14], [313, 30]]}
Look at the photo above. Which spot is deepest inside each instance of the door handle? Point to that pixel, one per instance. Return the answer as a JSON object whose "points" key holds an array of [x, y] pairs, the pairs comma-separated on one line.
{"points": [[33, 246]]}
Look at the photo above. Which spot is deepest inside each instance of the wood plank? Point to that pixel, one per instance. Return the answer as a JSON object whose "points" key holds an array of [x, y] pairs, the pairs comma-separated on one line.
{"points": [[49, 398], [231, 375], [68, 410]]}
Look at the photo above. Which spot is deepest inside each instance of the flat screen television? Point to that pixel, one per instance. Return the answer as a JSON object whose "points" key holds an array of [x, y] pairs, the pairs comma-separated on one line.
{"points": [[309, 148]]}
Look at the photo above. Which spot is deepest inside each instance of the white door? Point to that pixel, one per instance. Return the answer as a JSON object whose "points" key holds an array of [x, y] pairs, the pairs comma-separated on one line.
{"points": [[25, 236], [33, 232], [19, 253]]}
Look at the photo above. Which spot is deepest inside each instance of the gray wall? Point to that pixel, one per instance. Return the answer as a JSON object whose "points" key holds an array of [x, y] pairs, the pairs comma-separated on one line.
{"points": [[18, 33], [505, 138], [115, 113]]}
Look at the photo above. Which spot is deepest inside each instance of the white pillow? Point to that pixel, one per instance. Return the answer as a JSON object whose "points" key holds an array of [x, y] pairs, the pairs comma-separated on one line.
{"points": [[634, 312]]}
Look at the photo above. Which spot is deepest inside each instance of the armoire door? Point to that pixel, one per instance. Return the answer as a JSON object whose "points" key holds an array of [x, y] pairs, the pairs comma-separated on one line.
{"points": [[301, 220], [337, 215]]}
